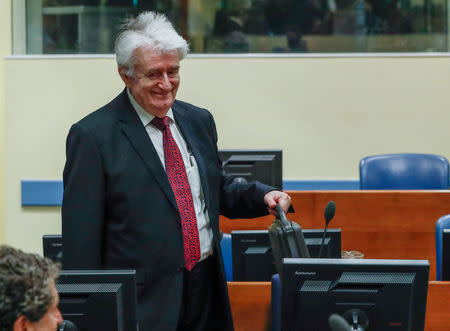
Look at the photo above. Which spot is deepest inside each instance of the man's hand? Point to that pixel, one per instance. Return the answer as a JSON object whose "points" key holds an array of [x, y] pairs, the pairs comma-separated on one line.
{"points": [[272, 198]]}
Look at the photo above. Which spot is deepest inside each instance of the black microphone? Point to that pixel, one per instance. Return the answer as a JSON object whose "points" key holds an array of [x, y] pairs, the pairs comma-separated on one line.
{"points": [[329, 212], [338, 323], [67, 326]]}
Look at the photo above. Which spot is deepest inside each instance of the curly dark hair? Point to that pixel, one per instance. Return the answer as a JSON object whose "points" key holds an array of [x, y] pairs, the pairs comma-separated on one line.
{"points": [[24, 285]]}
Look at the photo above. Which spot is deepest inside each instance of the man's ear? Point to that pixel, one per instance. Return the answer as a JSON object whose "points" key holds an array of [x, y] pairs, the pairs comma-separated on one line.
{"points": [[126, 78], [21, 324]]}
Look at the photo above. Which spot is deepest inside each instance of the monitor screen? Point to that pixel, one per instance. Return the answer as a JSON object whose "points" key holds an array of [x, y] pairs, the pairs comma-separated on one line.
{"points": [[252, 253], [98, 299], [445, 265], [262, 165], [52, 247], [376, 294]]}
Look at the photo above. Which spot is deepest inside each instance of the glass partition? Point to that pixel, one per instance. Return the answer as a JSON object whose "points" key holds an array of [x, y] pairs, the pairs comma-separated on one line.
{"points": [[246, 26]]}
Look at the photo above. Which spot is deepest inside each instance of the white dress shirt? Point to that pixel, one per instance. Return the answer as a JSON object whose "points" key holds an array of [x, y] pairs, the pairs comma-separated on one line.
{"points": [[156, 136]]}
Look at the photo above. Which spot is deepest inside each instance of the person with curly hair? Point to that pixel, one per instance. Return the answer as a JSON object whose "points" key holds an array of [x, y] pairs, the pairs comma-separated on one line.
{"points": [[28, 297]]}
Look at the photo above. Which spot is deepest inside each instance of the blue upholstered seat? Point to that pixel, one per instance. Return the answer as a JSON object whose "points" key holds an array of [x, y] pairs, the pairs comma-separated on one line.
{"points": [[225, 245], [441, 224], [403, 172]]}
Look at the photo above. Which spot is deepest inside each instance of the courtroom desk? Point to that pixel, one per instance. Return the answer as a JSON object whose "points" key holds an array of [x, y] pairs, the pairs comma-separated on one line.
{"points": [[380, 224], [438, 306], [250, 305]]}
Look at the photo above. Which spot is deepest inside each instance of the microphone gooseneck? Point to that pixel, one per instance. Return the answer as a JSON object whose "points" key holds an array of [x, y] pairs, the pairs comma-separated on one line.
{"points": [[329, 212]]}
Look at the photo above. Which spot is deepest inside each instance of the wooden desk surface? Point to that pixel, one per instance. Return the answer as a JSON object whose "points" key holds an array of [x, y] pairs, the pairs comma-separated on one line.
{"points": [[250, 305], [380, 224]]}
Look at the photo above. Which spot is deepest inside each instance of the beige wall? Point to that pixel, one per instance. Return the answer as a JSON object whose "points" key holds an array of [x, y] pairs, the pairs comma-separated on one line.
{"points": [[44, 97], [325, 113], [5, 49]]}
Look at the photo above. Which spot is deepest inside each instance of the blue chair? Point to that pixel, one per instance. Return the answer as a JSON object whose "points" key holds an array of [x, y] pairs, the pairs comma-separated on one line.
{"points": [[404, 172], [225, 245], [441, 224], [276, 302]]}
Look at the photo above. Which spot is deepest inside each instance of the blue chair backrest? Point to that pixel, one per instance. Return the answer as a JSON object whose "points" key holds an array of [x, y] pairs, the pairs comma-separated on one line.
{"points": [[225, 245], [276, 302], [441, 224], [404, 172]]}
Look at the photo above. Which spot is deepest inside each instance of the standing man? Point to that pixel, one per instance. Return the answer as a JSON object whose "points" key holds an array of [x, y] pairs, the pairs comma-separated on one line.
{"points": [[28, 297], [144, 187]]}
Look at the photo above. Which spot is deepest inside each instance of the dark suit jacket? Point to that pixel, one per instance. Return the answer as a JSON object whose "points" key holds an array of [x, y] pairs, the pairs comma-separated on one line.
{"points": [[119, 210]]}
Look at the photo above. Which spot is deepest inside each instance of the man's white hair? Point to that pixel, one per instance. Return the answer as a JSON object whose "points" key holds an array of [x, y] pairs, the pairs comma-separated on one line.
{"points": [[148, 29]]}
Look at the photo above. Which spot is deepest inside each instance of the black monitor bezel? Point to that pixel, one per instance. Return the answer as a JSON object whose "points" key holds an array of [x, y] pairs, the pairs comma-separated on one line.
{"points": [[127, 278], [224, 154], [262, 236], [295, 271], [48, 249]]}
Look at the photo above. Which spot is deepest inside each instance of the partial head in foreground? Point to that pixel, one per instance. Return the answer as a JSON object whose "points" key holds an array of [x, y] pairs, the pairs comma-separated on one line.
{"points": [[28, 297], [148, 52]]}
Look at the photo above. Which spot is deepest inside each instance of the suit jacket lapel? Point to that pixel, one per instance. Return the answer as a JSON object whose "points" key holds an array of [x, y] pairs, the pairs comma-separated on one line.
{"points": [[188, 132], [134, 130]]}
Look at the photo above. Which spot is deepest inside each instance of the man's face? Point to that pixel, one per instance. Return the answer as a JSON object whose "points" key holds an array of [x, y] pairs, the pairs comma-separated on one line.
{"points": [[156, 80], [52, 317]]}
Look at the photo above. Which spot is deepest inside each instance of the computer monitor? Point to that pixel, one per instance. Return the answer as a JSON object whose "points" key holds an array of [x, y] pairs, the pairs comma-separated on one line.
{"points": [[445, 263], [252, 253], [382, 294], [262, 165], [53, 247], [98, 299]]}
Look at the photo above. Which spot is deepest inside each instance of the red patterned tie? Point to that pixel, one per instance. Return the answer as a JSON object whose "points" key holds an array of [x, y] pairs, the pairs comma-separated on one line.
{"points": [[176, 172]]}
